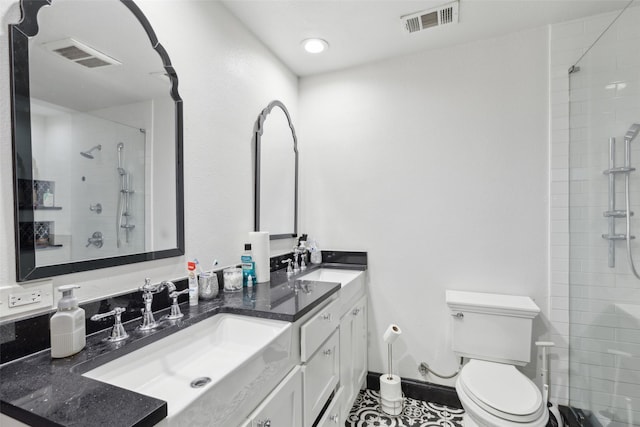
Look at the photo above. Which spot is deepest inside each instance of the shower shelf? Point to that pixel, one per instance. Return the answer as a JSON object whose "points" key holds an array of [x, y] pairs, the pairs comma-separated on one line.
{"points": [[46, 208], [616, 237], [623, 169], [616, 214]]}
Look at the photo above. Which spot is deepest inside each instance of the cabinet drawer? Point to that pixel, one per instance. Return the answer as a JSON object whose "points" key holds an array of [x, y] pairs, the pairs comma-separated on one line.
{"points": [[332, 416], [283, 407], [316, 330], [320, 377]]}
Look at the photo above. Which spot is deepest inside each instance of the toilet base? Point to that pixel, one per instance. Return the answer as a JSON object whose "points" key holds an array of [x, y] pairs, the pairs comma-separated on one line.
{"points": [[467, 421]]}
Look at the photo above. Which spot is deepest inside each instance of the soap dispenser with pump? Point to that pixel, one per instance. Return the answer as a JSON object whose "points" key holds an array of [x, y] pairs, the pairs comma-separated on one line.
{"points": [[68, 335]]}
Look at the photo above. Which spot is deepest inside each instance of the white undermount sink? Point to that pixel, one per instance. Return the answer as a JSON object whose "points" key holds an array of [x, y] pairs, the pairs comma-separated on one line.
{"points": [[351, 281], [226, 356], [332, 275]]}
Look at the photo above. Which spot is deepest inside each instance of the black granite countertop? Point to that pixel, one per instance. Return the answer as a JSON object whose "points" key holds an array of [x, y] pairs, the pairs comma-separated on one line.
{"points": [[41, 391]]}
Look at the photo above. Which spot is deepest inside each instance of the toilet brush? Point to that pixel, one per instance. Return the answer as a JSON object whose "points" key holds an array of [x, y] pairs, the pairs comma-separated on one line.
{"points": [[391, 399], [555, 418]]}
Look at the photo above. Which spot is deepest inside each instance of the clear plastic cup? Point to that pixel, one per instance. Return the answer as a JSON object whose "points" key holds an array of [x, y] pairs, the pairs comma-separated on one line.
{"points": [[232, 279]]}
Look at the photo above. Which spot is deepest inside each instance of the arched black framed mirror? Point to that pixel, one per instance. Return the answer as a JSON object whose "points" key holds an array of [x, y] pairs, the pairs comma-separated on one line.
{"points": [[276, 173], [97, 139]]}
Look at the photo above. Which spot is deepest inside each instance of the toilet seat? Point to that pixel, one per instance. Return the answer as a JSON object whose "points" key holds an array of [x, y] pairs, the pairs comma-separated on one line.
{"points": [[501, 391]]}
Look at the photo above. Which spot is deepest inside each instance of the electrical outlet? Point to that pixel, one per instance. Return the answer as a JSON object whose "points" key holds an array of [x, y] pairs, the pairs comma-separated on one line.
{"points": [[26, 297]]}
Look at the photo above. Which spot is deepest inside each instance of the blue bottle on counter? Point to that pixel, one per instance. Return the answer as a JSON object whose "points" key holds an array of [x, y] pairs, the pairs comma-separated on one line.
{"points": [[248, 265]]}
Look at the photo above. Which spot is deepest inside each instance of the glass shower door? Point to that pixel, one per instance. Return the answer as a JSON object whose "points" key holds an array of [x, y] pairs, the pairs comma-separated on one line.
{"points": [[604, 294]]}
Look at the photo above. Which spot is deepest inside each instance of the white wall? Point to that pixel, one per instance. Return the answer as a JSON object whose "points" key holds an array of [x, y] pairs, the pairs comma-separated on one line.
{"points": [[226, 78], [436, 164]]}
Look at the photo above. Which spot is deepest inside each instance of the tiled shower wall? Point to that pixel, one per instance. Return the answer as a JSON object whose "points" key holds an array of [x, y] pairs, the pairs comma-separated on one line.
{"points": [[594, 286]]}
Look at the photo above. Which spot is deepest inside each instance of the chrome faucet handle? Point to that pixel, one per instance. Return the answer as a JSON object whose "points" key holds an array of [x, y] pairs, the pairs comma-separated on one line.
{"points": [[289, 268], [167, 284], [296, 266], [148, 321], [303, 265], [117, 332], [175, 308], [147, 287]]}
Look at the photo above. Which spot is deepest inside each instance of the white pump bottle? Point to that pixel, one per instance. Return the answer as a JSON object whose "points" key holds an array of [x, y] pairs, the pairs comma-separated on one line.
{"points": [[68, 334]]}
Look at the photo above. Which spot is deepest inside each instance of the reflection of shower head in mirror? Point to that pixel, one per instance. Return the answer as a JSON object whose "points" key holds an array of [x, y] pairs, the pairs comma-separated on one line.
{"points": [[121, 170], [88, 154], [632, 132]]}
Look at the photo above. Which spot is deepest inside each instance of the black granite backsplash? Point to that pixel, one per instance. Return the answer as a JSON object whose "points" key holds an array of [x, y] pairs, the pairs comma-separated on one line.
{"points": [[27, 336]]}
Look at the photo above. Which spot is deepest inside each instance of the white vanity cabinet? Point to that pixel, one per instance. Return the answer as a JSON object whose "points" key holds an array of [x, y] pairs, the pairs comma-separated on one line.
{"points": [[333, 360], [283, 406]]}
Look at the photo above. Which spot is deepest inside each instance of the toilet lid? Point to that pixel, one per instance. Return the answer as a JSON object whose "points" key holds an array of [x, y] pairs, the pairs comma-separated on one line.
{"points": [[502, 390]]}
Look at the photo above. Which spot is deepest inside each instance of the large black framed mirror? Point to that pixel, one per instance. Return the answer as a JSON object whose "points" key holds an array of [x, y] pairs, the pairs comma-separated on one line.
{"points": [[97, 139], [276, 173]]}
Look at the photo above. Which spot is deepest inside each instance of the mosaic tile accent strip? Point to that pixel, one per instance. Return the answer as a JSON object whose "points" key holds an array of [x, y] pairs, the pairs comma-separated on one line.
{"points": [[366, 413]]}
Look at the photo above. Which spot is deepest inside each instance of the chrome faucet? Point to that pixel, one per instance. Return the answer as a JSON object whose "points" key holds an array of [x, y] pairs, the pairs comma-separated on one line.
{"points": [[175, 308], [296, 254], [148, 321], [289, 269], [117, 333]]}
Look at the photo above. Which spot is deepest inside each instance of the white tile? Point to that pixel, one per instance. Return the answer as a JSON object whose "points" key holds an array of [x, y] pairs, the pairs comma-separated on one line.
{"points": [[566, 30], [559, 315], [560, 175], [560, 290]]}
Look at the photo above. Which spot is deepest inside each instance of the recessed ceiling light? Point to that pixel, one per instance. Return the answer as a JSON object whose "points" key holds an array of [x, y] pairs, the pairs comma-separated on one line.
{"points": [[314, 45]]}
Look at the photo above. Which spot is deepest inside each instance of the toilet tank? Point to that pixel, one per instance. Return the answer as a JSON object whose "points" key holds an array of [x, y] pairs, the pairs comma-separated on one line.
{"points": [[492, 327]]}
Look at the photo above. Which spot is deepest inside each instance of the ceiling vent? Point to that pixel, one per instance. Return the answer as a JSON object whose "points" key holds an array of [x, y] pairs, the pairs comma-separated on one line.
{"points": [[80, 53], [441, 15]]}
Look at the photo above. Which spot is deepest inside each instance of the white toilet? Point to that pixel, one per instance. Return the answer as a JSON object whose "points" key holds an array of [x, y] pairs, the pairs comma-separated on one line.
{"points": [[494, 332]]}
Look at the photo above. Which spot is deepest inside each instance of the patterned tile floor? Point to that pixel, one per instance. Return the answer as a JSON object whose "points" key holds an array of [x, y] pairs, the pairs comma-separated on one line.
{"points": [[366, 413]]}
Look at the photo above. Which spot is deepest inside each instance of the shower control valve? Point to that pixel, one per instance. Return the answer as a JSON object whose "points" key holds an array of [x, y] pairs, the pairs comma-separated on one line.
{"points": [[95, 240], [97, 208]]}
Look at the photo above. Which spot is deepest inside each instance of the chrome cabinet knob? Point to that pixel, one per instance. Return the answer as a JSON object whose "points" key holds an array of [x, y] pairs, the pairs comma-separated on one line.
{"points": [[335, 418], [327, 352], [264, 423], [356, 311], [326, 316]]}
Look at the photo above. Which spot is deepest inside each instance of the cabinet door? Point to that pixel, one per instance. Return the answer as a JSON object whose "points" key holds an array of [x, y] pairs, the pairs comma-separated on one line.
{"points": [[353, 352], [333, 415], [347, 347], [321, 375], [283, 407], [360, 342]]}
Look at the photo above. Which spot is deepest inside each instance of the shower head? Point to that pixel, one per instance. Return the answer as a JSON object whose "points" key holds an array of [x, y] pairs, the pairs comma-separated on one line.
{"points": [[88, 154], [632, 132], [121, 170]]}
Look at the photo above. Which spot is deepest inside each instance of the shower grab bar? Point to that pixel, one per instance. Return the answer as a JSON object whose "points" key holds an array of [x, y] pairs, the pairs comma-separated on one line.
{"points": [[622, 169], [616, 213], [616, 237]]}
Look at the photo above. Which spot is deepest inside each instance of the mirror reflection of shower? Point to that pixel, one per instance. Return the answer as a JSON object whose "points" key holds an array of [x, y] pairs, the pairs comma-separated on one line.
{"points": [[124, 200], [88, 154]]}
